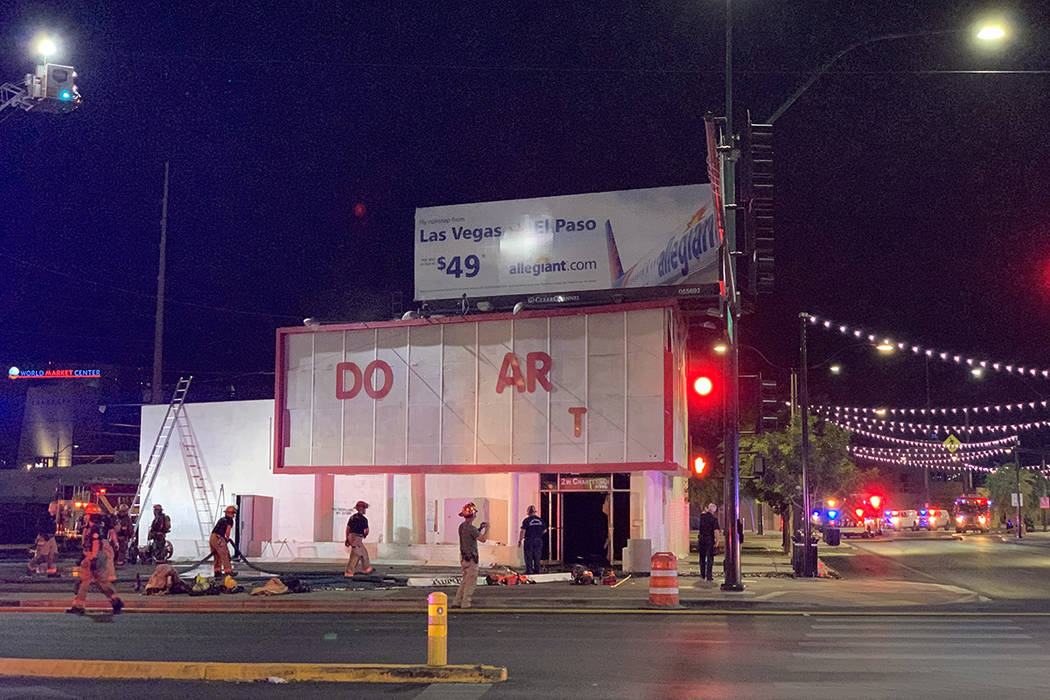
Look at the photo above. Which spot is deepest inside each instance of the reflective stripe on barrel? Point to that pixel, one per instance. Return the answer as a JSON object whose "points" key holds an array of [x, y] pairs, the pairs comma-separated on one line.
{"points": [[663, 579]]}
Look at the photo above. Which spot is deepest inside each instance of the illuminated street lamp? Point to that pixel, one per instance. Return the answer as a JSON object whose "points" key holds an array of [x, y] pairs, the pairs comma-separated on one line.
{"points": [[721, 348], [985, 32]]}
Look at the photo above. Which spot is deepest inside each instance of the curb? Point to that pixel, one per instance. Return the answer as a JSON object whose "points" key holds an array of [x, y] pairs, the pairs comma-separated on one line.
{"points": [[236, 672]]}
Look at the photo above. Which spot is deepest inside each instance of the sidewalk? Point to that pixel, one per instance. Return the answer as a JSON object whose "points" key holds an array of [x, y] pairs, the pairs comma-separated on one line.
{"points": [[769, 585]]}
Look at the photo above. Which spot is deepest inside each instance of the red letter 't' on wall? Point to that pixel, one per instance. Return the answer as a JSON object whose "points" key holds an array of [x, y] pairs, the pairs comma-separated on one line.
{"points": [[538, 365], [577, 419], [510, 374]]}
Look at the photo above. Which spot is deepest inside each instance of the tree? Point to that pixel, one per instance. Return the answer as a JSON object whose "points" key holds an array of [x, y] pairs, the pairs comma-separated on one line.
{"points": [[1003, 482], [830, 469]]}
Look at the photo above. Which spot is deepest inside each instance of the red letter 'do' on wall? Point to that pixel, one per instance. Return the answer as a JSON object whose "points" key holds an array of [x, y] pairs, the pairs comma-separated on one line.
{"points": [[364, 379]]}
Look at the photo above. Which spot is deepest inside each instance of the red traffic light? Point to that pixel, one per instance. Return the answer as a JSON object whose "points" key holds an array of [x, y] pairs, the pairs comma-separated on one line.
{"points": [[699, 465], [703, 385]]}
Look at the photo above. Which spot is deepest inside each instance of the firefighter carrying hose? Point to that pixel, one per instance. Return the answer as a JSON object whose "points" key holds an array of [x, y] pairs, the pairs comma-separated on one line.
{"points": [[220, 540], [93, 568]]}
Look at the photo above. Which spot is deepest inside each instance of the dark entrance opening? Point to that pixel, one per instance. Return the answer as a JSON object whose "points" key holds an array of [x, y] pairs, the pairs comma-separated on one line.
{"points": [[586, 529]]}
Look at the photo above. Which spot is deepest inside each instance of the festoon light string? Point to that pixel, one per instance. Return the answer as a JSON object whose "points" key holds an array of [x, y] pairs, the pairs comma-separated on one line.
{"points": [[955, 411], [944, 356], [848, 421]]}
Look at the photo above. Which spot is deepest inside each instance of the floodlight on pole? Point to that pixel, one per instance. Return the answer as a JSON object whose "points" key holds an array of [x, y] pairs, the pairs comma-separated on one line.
{"points": [[991, 32], [46, 47]]}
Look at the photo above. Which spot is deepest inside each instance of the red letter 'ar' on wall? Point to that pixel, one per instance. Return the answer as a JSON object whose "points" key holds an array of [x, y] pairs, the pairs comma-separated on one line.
{"points": [[538, 368]]}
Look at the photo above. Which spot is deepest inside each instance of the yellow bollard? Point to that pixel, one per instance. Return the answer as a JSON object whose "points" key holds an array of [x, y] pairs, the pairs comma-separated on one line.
{"points": [[437, 629]]}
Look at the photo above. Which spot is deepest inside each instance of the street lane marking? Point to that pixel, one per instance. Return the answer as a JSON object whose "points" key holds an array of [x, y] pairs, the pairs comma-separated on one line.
{"points": [[915, 656], [905, 628], [924, 644], [889, 634], [454, 691]]}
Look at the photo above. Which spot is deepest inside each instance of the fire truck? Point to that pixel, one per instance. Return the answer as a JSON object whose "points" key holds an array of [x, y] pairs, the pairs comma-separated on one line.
{"points": [[972, 513], [857, 515]]}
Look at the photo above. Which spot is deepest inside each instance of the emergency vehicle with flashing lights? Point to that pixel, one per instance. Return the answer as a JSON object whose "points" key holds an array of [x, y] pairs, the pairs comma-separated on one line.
{"points": [[856, 515], [972, 513]]}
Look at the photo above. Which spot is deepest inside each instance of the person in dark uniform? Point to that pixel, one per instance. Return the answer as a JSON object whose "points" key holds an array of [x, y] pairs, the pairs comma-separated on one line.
{"points": [[356, 532], [530, 537], [219, 541], [707, 526]]}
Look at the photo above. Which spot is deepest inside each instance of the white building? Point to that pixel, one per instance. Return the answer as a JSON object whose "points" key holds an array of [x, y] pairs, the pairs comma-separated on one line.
{"points": [[580, 412]]}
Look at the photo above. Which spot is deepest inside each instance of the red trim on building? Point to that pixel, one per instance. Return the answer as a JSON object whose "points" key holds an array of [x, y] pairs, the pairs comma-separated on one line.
{"points": [[474, 318], [668, 406], [597, 468]]}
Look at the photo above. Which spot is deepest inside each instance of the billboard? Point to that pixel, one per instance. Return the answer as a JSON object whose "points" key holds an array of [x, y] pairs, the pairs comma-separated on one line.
{"points": [[572, 391], [632, 242]]}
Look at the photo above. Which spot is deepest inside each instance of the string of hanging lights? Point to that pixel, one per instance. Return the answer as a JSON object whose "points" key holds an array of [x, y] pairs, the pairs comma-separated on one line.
{"points": [[850, 422], [1009, 440], [918, 455], [944, 356], [957, 410]]}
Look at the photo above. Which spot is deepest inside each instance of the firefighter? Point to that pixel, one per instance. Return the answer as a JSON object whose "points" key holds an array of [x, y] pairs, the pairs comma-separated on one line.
{"points": [[356, 532], [93, 566], [46, 552], [158, 531], [219, 543], [469, 536], [124, 533]]}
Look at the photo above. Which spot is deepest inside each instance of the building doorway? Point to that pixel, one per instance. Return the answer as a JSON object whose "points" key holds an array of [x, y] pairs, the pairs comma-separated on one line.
{"points": [[588, 517]]}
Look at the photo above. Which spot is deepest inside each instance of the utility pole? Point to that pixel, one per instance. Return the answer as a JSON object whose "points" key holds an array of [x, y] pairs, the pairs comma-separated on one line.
{"points": [[808, 566], [157, 394]]}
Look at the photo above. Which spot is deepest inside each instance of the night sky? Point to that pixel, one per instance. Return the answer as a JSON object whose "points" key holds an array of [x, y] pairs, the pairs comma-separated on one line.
{"points": [[911, 190]]}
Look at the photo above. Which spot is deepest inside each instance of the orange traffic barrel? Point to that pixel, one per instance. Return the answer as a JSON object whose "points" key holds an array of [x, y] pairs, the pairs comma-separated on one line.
{"points": [[663, 580]]}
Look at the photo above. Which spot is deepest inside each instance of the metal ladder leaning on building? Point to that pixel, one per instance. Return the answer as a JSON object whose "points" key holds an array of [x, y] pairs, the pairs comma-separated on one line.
{"points": [[198, 486], [160, 446]]}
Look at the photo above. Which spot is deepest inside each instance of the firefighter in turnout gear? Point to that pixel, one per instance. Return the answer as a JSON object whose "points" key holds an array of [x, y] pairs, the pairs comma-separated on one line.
{"points": [[356, 532], [94, 566], [219, 542]]}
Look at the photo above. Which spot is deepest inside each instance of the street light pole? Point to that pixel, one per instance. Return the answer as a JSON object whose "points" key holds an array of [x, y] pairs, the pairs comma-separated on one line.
{"points": [[808, 566], [1017, 474]]}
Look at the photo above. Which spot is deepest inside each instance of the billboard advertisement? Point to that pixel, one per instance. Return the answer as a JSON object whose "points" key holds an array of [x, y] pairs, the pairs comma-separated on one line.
{"points": [[577, 391], [632, 242]]}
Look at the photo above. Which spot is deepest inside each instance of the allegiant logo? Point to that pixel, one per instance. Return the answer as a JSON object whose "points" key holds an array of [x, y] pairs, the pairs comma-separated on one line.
{"points": [[693, 243]]}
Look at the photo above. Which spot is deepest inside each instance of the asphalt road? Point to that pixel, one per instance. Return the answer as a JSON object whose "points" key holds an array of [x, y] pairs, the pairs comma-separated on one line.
{"points": [[1006, 571], [568, 656]]}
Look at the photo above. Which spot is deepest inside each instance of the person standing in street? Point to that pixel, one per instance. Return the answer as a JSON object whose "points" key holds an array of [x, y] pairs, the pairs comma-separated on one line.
{"points": [[356, 532], [706, 539], [93, 568], [219, 543], [530, 538], [469, 536]]}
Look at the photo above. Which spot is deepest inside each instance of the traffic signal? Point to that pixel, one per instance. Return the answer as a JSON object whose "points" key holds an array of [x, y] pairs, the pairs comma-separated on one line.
{"points": [[699, 465], [703, 385], [756, 198], [769, 406]]}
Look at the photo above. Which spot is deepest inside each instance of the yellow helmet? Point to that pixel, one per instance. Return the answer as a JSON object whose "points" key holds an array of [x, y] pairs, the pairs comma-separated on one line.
{"points": [[469, 510], [231, 509]]}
